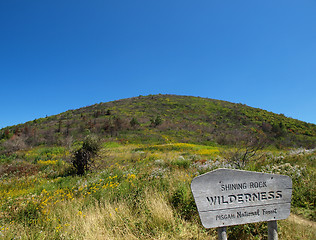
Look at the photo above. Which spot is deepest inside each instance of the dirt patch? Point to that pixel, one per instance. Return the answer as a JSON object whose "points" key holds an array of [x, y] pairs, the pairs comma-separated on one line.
{"points": [[301, 221]]}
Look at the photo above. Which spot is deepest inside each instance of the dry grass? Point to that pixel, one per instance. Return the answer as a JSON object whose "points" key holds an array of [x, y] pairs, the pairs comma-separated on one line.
{"points": [[78, 213], [293, 229], [154, 218], [161, 213]]}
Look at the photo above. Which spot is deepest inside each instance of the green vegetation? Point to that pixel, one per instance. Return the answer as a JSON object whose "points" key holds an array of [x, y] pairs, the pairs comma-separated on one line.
{"points": [[84, 156], [134, 191], [158, 119], [149, 150]]}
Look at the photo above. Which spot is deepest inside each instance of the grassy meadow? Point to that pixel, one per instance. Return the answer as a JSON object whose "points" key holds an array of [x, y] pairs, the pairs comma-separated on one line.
{"points": [[136, 191]]}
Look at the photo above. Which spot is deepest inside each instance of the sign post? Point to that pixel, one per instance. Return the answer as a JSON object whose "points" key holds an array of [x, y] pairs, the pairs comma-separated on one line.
{"points": [[222, 233], [272, 230], [226, 197]]}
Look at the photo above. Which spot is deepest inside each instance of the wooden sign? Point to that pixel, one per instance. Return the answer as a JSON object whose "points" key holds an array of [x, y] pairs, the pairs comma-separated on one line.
{"points": [[227, 197]]}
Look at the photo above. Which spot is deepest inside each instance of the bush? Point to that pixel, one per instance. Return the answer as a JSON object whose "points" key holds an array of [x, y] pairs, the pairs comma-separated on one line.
{"points": [[14, 144], [181, 162], [248, 149], [157, 121], [134, 123], [182, 200], [83, 158], [250, 231]]}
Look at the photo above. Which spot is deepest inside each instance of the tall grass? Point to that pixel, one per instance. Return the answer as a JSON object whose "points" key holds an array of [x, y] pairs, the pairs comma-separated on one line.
{"points": [[131, 194]]}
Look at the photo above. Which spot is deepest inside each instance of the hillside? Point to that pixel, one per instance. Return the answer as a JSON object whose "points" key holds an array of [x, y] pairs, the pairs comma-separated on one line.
{"points": [[137, 186], [164, 119]]}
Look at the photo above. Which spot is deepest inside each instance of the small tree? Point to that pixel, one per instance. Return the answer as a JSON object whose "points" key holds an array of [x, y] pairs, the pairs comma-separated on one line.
{"points": [[83, 158], [108, 112], [247, 149], [15, 143], [134, 123], [157, 121]]}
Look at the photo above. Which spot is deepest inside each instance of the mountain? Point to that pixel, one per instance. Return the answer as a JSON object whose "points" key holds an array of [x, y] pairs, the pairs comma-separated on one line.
{"points": [[163, 119]]}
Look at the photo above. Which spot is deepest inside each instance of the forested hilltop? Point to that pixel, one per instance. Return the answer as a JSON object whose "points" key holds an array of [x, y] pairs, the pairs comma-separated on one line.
{"points": [[163, 119]]}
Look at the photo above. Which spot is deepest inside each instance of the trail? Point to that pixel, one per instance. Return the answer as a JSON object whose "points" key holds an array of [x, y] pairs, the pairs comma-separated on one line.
{"points": [[301, 221]]}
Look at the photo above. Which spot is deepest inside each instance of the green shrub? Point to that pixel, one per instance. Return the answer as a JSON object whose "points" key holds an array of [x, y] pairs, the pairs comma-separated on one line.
{"points": [[181, 162], [182, 200], [134, 122], [83, 157], [157, 121], [248, 231]]}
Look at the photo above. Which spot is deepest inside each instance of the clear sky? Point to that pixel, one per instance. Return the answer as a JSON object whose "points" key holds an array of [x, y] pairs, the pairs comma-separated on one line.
{"points": [[57, 55]]}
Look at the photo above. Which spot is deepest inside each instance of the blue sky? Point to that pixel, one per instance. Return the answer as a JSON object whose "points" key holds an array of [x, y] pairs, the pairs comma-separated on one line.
{"points": [[60, 55]]}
